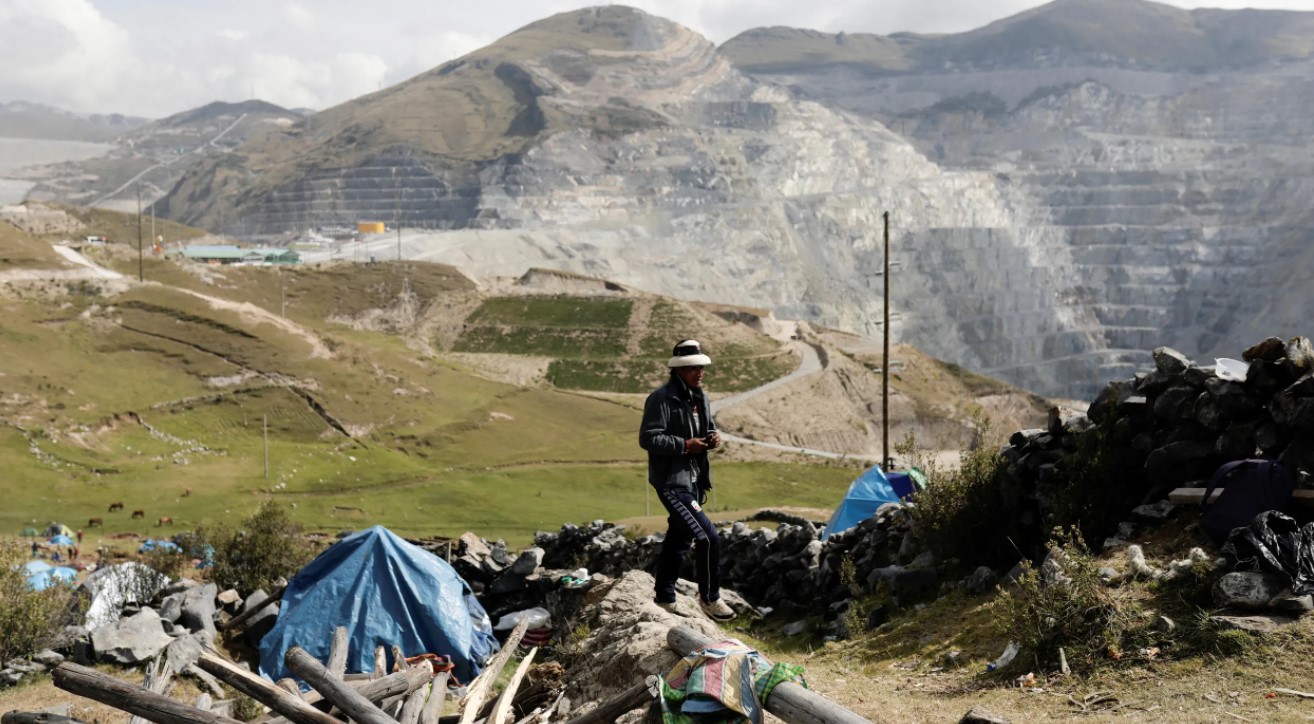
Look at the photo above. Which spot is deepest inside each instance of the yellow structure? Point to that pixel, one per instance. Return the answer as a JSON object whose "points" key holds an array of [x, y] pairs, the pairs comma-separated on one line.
{"points": [[370, 227]]}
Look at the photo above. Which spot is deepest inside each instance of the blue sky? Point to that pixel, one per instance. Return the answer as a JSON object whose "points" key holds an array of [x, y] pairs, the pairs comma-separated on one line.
{"points": [[157, 57]]}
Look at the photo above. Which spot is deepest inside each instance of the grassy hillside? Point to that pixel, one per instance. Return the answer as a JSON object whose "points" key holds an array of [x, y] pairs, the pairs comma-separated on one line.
{"points": [[619, 344], [141, 395]]}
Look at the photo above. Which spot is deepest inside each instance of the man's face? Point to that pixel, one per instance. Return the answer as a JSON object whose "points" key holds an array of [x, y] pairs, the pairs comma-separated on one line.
{"points": [[692, 376]]}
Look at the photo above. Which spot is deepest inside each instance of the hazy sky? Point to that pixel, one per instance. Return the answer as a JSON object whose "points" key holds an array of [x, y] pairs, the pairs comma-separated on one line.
{"points": [[157, 57]]}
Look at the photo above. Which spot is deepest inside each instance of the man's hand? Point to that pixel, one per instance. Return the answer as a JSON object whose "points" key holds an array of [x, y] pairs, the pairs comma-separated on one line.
{"points": [[695, 446], [713, 440]]}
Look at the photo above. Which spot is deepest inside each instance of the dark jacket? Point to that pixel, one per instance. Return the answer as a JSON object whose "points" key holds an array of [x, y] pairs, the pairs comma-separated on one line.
{"points": [[667, 423]]}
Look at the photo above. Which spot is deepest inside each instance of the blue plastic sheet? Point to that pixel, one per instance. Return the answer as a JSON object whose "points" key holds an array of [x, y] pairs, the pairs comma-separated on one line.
{"points": [[386, 592]]}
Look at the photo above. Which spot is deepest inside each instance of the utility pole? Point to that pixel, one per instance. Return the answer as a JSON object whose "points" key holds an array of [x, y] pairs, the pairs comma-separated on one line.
{"points": [[141, 268], [885, 359]]}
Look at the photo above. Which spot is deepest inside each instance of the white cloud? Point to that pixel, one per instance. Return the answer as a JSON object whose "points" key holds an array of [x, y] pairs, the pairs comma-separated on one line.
{"points": [[153, 58]]}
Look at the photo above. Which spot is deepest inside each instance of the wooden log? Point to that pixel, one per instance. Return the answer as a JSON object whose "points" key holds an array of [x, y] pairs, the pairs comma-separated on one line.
{"points": [[398, 659], [106, 689], [36, 717], [294, 708], [398, 684], [503, 708], [290, 687], [789, 702], [410, 713], [609, 710], [380, 662], [344, 697], [478, 690], [433, 708], [159, 676], [337, 658], [244, 616]]}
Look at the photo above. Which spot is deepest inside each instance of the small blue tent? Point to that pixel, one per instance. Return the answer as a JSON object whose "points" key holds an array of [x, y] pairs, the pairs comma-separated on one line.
{"points": [[386, 592], [867, 493]]}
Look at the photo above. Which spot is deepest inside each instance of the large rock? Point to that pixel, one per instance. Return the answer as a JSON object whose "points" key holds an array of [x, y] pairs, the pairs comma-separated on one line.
{"points": [[131, 640], [1247, 589], [198, 609], [260, 624]]}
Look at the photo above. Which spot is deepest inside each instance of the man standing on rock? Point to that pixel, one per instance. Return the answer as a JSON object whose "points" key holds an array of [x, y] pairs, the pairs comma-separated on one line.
{"points": [[677, 431]]}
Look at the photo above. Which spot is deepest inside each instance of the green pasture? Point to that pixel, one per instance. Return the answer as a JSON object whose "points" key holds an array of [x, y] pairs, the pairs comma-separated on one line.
{"points": [[120, 400]]}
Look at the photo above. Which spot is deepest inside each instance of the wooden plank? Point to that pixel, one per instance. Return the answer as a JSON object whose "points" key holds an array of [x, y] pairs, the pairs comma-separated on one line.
{"points": [[106, 689], [433, 708], [1195, 496], [159, 675], [503, 708], [380, 662], [293, 707], [337, 658], [247, 614], [398, 659], [478, 690], [335, 690], [789, 702]]}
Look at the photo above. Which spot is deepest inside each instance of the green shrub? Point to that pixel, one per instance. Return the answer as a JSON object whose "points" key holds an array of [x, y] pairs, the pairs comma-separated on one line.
{"points": [[1072, 610], [29, 619], [976, 514], [1098, 482], [266, 547]]}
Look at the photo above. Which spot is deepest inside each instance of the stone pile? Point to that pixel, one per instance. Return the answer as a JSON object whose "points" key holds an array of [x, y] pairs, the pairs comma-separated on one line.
{"points": [[178, 622]]}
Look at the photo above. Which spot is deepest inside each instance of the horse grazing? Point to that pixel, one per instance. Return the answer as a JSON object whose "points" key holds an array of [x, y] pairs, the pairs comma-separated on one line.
{"points": [[187, 493], [166, 520], [95, 522], [115, 506], [139, 514]]}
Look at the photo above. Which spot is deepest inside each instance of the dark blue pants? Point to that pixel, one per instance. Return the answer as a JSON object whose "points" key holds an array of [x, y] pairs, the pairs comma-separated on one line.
{"points": [[688, 526]]}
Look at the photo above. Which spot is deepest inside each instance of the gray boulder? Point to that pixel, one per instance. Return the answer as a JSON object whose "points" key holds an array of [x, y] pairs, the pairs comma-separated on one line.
{"points": [[1247, 589], [528, 562], [132, 640], [198, 610], [981, 580]]}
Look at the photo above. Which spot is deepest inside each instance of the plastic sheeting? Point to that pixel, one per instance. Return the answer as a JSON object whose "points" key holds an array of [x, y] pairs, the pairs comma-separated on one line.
{"points": [[1274, 543], [866, 494], [112, 586], [386, 592]]}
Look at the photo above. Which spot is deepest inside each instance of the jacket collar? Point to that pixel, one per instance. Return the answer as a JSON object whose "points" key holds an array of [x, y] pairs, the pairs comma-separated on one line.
{"points": [[679, 390]]}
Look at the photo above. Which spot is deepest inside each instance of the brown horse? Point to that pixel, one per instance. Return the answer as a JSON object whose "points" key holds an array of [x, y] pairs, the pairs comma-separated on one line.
{"points": [[187, 493], [95, 522], [166, 520], [115, 506], [139, 514]]}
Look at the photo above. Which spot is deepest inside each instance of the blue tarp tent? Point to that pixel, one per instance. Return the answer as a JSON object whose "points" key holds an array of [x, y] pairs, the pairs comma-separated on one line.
{"points": [[868, 492], [386, 592]]}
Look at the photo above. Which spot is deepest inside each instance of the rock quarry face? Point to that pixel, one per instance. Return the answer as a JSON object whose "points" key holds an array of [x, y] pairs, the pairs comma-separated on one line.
{"points": [[635, 151], [1168, 177], [1067, 188]]}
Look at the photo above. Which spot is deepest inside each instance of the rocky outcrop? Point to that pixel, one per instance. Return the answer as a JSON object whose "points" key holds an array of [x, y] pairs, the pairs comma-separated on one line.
{"points": [[1160, 149], [637, 153]]}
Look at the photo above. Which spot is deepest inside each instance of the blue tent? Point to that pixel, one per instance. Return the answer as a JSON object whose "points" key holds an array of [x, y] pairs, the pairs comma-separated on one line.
{"points": [[386, 592], [47, 578], [150, 544], [867, 492]]}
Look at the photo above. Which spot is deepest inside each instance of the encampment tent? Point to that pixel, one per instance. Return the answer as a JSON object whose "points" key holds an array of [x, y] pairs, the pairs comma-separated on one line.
{"points": [[868, 493], [386, 592], [55, 529]]}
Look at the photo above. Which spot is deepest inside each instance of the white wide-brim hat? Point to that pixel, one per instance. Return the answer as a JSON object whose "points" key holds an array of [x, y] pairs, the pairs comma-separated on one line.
{"points": [[688, 353]]}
